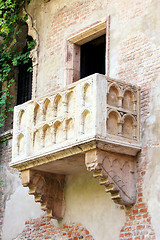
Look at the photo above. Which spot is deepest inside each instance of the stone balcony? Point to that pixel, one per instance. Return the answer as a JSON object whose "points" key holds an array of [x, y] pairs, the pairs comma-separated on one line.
{"points": [[91, 123]]}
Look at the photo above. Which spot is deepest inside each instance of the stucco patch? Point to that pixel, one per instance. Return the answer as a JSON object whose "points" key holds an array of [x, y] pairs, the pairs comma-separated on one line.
{"points": [[88, 204], [19, 208]]}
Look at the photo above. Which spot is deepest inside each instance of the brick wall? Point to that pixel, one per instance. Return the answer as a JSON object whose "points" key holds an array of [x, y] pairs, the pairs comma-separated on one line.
{"points": [[128, 10], [69, 16], [139, 64], [138, 221], [43, 228]]}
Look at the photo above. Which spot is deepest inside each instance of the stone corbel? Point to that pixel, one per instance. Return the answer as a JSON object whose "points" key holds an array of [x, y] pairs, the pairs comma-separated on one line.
{"points": [[116, 172], [48, 189]]}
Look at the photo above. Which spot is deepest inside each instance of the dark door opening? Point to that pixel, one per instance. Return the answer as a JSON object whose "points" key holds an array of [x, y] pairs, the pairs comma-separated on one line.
{"points": [[24, 91], [24, 83], [93, 57]]}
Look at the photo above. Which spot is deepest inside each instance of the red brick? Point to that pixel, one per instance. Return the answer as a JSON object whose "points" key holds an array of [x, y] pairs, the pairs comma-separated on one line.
{"points": [[143, 210], [140, 227], [135, 211], [128, 234]]}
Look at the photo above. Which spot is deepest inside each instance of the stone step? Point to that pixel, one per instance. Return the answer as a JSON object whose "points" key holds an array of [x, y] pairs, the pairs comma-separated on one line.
{"points": [[43, 207], [49, 213], [38, 198], [104, 181], [109, 188], [115, 195], [98, 174], [32, 190]]}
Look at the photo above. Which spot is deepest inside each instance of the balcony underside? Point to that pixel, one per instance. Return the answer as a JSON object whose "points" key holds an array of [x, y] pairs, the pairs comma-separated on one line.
{"points": [[46, 173], [70, 159]]}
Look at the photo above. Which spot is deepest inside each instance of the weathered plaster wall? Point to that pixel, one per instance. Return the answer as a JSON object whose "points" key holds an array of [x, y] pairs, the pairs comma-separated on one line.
{"points": [[18, 209], [88, 204], [152, 137], [16, 205], [134, 57], [58, 20], [132, 28]]}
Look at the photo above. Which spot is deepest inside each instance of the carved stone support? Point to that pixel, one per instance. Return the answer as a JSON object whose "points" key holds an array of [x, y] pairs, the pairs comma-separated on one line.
{"points": [[116, 172], [48, 189]]}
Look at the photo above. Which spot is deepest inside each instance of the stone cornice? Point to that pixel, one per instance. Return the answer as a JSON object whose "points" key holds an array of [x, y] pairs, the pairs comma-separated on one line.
{"points": [[6, 135], [74, 149]]}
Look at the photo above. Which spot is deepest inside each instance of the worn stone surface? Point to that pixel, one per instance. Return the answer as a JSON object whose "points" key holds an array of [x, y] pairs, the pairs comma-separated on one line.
{"points": [[93, 108], [116, 172], [48, 189]]}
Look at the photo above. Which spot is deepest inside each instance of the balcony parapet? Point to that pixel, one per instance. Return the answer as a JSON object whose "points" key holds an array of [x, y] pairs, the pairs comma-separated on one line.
{"points": [[96, 113], [94, 108]]}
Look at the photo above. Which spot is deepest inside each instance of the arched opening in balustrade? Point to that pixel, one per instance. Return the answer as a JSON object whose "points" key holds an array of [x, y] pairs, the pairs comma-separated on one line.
{"points": [[70, 128], [47, 135], [22, 119], [47, 109], [37, 141], [58, 105], [113, 123], [37, 114], [128, 100], [86, 94], [128, 128], [86, 121], [70, 102], [21, 144], [58, 131], [112, 96]]}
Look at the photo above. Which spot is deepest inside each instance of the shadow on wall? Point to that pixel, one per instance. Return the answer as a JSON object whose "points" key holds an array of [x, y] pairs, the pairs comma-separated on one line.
{"points": [[88, 204]]}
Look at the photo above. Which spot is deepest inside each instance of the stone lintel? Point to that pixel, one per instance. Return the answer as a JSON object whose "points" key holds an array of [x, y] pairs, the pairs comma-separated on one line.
{"points": [[89, 34]]}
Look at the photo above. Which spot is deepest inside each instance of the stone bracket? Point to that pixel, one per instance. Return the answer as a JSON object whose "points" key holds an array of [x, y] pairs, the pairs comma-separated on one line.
{"points": [[48, 189], [116, 172]]}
